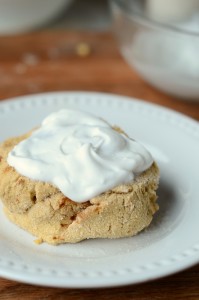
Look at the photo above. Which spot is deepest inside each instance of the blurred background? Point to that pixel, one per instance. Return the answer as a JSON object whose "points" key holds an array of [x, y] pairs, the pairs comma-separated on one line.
{"points": [[143, 48], [85, 15]]}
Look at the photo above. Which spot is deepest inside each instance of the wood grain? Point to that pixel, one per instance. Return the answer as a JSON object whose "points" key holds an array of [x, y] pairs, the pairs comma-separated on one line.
{"points": [[48, 61]]}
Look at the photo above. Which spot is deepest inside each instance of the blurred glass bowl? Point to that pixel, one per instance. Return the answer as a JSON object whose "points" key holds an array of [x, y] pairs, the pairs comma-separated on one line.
{"points": [[166, 56]]}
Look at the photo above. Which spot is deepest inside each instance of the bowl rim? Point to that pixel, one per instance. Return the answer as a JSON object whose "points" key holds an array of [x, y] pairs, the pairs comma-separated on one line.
{"points": [[138, 18]]}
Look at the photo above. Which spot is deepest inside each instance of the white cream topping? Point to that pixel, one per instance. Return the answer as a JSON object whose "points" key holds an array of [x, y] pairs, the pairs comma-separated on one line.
{"points": [[80, 154]]}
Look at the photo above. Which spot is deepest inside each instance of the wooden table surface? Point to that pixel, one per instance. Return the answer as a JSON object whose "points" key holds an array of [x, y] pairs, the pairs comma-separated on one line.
{"points": [[50, 61]]}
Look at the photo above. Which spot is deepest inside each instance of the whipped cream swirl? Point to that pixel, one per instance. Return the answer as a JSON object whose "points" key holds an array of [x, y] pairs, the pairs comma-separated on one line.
{"points": [[83, 156]]}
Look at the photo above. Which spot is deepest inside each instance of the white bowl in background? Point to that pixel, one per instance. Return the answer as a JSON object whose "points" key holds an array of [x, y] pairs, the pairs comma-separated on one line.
{"points": [[24, 15]]}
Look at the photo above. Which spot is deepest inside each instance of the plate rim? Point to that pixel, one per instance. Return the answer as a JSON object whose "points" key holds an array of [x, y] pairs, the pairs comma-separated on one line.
{"points": [[120, 97]]}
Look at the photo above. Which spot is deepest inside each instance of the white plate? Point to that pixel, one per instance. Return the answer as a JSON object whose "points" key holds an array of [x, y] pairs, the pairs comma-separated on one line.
{"points": [[169, 245]]}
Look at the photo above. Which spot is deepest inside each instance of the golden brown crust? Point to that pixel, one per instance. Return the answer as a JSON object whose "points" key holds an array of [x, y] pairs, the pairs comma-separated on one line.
{"points": [[44, 211]]}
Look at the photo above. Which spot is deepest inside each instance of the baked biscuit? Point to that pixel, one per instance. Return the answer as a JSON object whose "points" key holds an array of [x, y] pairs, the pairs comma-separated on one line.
{"points": [[41, 209]]}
